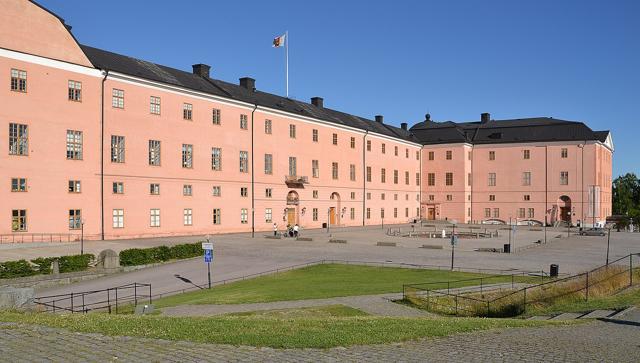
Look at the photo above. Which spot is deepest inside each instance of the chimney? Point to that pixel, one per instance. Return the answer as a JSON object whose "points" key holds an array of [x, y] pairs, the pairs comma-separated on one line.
{"points": [[317, 101], [485, 117], [403, 126], [248, 83], [379, 118], [201, 70]]}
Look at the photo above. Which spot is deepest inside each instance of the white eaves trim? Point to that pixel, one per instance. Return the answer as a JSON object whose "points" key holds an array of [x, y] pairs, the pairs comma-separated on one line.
{"points": [[48, 62]]}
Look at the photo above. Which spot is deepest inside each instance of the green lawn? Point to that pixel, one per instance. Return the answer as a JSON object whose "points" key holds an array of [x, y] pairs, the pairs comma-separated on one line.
{"points": [[268, 331], [329, 311], [615, 302], [315, 282]]}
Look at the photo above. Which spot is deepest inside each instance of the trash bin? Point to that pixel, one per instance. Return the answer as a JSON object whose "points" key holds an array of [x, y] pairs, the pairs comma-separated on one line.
{"points": [[324, 225], [506, 248], [553, 270]]}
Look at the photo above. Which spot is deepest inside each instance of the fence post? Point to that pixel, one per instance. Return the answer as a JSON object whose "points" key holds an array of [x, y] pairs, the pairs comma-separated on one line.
{"points": [[116, 300], [524, 307], [630, 269], [587, 288], [487, 308], [71, 303], [135, 294], [428, 300], [108, 300], [481, 286], [448, 285], [511, 281], [456, 298], [149, 294], [84, 307]]}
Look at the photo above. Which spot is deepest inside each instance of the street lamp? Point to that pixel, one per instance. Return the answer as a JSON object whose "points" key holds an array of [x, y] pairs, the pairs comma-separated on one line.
{"points": [[453, 241], [82, 236]]}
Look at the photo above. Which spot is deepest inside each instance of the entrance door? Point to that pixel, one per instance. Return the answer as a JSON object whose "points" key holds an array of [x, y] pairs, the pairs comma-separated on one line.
{"points": [[332, 216], [565, 214], [431, 214], [291, 216]]}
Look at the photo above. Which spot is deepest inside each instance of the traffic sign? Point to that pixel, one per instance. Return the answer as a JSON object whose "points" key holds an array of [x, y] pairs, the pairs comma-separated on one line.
{"points": [[454, 240], [208, 256], [207, 245]]}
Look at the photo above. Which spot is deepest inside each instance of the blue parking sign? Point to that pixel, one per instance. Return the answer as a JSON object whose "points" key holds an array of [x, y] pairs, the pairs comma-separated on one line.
{"points": [[208, 256]]}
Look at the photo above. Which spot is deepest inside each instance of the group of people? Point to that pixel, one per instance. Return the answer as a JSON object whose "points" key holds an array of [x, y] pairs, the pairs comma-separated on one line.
{"points": [[292, 231]]}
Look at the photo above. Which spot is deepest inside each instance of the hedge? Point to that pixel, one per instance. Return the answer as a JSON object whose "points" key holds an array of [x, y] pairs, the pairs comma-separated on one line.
{"points": [[145, 256], [42, 266]]}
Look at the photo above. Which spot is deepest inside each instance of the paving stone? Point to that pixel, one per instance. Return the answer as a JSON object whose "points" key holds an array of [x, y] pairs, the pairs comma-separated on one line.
{"points": [[541, 317], [567, 316], [597, 314]]}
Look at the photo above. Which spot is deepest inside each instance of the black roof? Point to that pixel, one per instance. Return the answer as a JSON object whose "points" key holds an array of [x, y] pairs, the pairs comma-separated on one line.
{"points": [[538, 129], [135, 67]]}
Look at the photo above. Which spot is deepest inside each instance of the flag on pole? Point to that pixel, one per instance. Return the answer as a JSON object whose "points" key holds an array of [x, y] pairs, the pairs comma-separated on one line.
{"points": [[279, 41]]}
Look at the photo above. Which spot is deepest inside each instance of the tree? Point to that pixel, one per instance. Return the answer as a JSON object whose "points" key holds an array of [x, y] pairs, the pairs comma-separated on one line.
{"points": [[626, 196]]}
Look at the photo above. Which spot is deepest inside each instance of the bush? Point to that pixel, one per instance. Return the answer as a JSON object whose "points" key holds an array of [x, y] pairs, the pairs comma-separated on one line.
{"points": [[42, 266], [145, 256], [75, 262], [13, 269]]}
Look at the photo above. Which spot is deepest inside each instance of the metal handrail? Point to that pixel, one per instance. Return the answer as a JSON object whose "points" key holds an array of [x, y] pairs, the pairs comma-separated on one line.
{"points": [[66, 302]]}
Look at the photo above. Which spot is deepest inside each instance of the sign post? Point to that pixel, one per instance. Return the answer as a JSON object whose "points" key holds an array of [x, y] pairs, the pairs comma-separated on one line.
{"points": [[208, 257], [454, 241]]}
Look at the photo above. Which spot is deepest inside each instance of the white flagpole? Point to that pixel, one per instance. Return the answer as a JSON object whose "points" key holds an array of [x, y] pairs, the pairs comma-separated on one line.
{"points": [[286, 54]]}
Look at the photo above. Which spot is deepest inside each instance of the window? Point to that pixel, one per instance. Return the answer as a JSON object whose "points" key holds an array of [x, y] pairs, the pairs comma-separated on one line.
{"points": [[352, 213], [469, 179], [292, 131], [118, 218], [353, 195], [368, 213], [293, 166], [314, 135], [368, 145], [352, 172], [18, 80], [406, 153], [216, 191], [492, 155], [382, 196], [526, 154], [368, 196], [118, 187], [395, 197], [18, 139], [187, 217], [383, 148], [406, 177], [492, 197], [216, 116], [244, 161], [154, 189], [368, 173], [74, 144], [432, 197], [353, 142], [154, 105], [315, 194], [395, 150], [268, 164], [117, 98], [75, 219], [492, 179], [244, 122], [18, 220], [448, 179], [487, 212], [383, 175], [154, 217], [395, 212], [527, 197], [75, 91], [268, 215], [449, 197], [334, 171], [381, 212], [449, 155], [268, 128], [217, 216], [431, 155], [187, 156], [335, 139], [18, 184], [526, 178], [564, 152], [216, 158], [74, 186], [187, 190], [530, 213], [244, 216], [418, 155], [406, 212], [315, 214], [431, 179], [315, 169], [395, 177], [564, 178], [521, 212], [154, 152], [418, 179], [268, 192], [244, 191], [187, 111], [496, 212], [117, 149]]}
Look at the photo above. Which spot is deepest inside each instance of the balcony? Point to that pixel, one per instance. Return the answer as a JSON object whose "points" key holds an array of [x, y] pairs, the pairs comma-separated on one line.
{"points": [[294, 181]]}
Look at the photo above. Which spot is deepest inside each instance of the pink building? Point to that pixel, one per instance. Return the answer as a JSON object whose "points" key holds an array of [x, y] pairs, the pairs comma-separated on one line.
{"points": [[127, 148]]}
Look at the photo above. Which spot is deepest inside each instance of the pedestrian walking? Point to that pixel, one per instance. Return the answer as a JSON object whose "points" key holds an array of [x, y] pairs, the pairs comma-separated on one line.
{"points": [[275, 229], [296, 230]]}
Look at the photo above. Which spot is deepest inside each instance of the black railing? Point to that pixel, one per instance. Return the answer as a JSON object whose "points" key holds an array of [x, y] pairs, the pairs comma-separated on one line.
{"points": [[20, 237], [109, 300]]}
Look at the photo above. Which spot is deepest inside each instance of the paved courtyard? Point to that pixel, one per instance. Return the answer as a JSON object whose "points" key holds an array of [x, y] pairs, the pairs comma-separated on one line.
{"points": [[590, 342]]}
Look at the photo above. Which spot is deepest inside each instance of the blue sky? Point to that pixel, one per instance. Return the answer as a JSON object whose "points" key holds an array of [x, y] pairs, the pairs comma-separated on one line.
{"points": [[573, 60]]}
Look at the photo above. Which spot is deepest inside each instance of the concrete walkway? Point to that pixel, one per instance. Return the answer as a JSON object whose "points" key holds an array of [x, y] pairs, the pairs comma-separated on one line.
{"points": [[380, 305]]}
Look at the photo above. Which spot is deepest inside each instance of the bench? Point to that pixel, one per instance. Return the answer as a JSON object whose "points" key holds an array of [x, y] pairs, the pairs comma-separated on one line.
{"points": [[270, 236], [337, 241], [386, 244], [432, 247], [305, 239]]}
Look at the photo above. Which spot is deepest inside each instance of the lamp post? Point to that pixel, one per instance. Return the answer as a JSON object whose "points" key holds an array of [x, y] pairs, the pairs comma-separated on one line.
{"points": [[608, 241], [453, 241], [568, 223], [82, 236]]}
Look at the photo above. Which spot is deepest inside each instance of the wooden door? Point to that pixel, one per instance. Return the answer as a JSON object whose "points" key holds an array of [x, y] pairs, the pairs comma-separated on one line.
{"points": [[432, 214], [332, 216], [291, 216]]}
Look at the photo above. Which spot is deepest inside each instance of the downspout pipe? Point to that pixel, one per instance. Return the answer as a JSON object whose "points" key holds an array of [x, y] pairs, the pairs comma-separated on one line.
{"points": [[106, 74], [253, 195], [364, 179]]}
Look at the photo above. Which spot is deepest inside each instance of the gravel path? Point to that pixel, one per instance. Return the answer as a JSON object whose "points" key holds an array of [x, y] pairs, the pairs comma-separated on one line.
{"points": [[592, 342]]}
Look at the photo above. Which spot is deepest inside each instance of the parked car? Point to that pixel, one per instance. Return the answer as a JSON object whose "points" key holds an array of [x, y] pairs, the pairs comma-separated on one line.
{"points": [[592, 232]]}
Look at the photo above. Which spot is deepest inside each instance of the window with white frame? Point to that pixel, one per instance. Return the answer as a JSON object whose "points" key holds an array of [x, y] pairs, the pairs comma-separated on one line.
{"points": [[74, 91], [449, 155], [217, 216], [216, 118], [406, 178], [18, 139], [74, 144], [154, 105], [368, 213], [521, 212], [187, 216], [564, 178], [268, 164], [187, 156], [154, 217], [353, 195], [382, 196], [216, 158], [75, 219], [352, 213], [492, 155], [368, 195], [383, 148], [18, 80], [449, 197], [395, 177], [117, 98], [244, 216], [406, 153], [244, 122], [382, 213], [418, 179], [244, 191], [18, 220], [187, 111], [352, 172], [315, 194], [315, 168], [368, 145], [526, 178], [268, 128], [216, 191], [292, 131], [335, 139], [154, 189], [431, 155], [395, 151], [526, 154], [268, 192], [268, 215], [431, 179], [353, 142], [530, 213], [75, 186], [383, 175], [314, 135], [487, 212], [293, 166], [154, 152], [315, 214], [492, 197], [117, 149], [368, 173], [496, 212], [395, 212], [118, 187], [18, 184], [492, 179], [527, 197], [564, 153], [244, 161], [118, 218], [334, 170], [187, 190]]}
